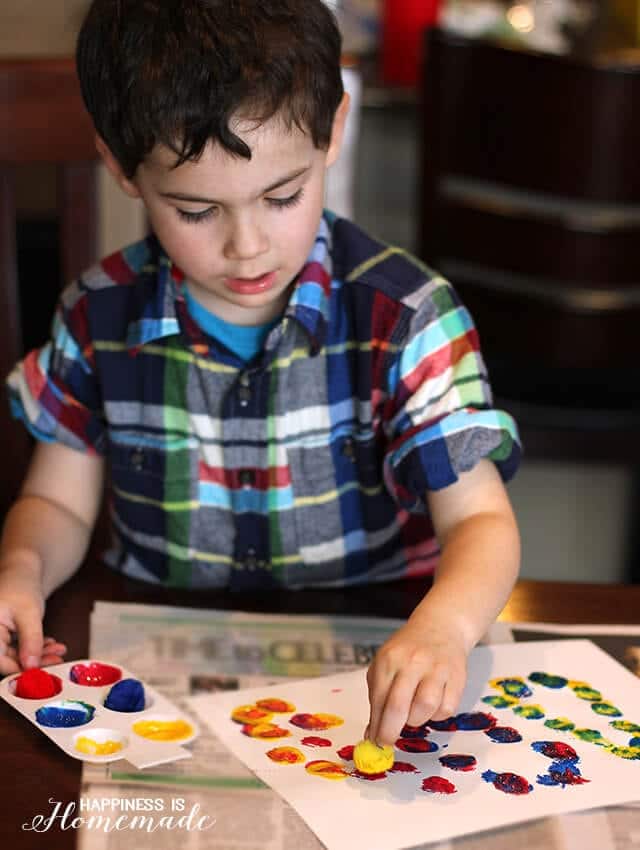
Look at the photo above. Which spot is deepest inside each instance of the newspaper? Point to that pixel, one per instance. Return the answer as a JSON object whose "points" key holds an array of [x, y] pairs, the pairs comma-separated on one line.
{"points": [[182, 652]]}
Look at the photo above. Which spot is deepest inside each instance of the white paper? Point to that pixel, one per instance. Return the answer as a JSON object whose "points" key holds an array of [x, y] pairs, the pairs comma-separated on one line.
{"points": [[395, 813]]}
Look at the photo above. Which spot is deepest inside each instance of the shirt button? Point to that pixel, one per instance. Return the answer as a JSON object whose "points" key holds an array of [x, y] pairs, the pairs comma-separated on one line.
{"points": [[349, 449], [244, 394], [137, 459], [247, 477], [251, 560]]}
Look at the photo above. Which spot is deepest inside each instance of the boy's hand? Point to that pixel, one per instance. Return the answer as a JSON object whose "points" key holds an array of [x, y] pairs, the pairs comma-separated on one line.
{"points": [[21, 610], [418, 674]]}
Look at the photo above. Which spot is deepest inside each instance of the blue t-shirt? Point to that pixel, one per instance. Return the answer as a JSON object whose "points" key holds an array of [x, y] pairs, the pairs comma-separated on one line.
{"points": [[244, 340]]}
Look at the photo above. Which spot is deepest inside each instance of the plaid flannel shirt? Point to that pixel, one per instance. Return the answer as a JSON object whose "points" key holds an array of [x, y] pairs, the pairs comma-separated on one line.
{"points": [[308, 465]]}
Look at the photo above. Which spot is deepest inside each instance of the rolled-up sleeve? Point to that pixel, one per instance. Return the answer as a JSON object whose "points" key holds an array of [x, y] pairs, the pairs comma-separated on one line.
{"points": [[54, 390], [441, 421]]}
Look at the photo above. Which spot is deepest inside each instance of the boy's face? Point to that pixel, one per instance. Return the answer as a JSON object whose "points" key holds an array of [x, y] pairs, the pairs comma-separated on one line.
{"points": [[239, 229]]}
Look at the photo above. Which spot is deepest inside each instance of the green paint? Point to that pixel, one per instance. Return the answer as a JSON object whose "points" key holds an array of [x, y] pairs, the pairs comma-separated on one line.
{"points": [[563, 724], [529, 712], [606, 709], [625, 726]]}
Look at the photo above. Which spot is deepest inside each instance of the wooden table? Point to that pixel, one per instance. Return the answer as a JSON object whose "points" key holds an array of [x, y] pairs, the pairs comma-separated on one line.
{"points": [[34, 770]]}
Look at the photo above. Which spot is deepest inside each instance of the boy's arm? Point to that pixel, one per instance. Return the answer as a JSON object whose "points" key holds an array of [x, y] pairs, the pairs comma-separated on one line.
{"points": [[45, 538], [421, 671]]}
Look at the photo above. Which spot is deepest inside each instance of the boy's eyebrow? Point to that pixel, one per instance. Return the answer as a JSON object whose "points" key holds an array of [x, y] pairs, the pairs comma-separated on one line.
{"points": [[181, 196]]}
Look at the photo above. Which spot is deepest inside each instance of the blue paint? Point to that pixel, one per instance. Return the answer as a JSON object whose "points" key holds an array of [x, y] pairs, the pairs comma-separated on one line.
{"points": [[504, 735], [473, 721], [634, 742], [508, 783], [548, 681], [127, 695], [562, 773], [64, 714]]}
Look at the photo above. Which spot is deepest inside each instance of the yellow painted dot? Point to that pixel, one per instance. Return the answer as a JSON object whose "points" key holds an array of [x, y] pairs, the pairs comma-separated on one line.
{"points": [[93, 748], [370, 758], [163, 730]]}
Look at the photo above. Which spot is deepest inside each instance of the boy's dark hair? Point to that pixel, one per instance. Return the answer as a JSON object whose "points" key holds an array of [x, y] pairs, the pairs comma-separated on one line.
{"points": [[174, 72]]}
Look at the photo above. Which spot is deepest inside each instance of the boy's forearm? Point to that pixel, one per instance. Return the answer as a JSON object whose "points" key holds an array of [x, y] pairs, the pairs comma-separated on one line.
{"points": [[44, 540], [477, 571]]}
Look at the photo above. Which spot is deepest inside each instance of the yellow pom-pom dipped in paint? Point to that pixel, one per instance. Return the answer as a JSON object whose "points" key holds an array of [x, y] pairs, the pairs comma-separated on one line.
{"points": [[370, 758]]}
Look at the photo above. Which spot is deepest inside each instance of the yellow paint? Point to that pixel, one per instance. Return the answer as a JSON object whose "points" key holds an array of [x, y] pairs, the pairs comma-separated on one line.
{"points": [[326, 769], [329, 720], [163, 730], [286, 755], [251, 715], [265, 731], [93, 748], [370, 758]]}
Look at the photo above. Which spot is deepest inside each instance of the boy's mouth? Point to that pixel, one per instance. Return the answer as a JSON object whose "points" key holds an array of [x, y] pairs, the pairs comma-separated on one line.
{"points": [[251, 286]]}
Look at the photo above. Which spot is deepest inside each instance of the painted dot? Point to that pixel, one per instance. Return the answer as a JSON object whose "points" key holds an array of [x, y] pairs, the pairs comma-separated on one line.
{"points": [[529, 712], [500, 702], [508, 783], [416, 745], [555, 750], [562, 724], [548, 681], [457, 761], [286, 755], [438, 785], [605, 709], [313, 741], [504, 735]]}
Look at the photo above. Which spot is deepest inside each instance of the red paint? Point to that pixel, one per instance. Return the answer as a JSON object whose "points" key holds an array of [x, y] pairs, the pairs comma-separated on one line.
{"points": [[312, 741], [94, 674], [416, 745], [370, 777], [403, 767], [37, 684], [438, 785], [346, 752]]}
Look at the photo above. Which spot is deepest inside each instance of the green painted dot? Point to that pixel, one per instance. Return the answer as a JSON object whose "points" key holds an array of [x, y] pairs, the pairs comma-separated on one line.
{"points": [[561, 723], [547, 680], [632, 753], [529, 712], [625, 726], [592, 736], [606, 709], [590, 694], [499, 702]]}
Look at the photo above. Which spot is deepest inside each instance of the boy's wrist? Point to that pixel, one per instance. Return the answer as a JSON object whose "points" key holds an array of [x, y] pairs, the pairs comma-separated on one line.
{"points": [[24, 563]]}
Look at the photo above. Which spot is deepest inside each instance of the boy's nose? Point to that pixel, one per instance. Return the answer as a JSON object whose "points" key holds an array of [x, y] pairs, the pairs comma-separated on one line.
{"points": [[246, 239]]}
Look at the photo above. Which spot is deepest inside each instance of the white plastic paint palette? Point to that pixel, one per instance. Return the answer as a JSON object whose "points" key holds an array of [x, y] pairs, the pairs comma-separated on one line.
{"points": [[104, 735]]}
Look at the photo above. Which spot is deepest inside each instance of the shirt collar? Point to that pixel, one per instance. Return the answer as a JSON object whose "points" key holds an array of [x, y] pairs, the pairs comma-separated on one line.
{"points": [[163, 313]]}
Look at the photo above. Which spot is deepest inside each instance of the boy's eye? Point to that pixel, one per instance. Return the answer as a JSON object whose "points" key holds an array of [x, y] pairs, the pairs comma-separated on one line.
{"points": [[196, 216], [291, 201]]}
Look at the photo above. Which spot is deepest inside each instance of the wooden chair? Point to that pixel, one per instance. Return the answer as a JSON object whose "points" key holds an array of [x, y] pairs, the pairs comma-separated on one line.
{"points": [[42, 120], [530, 205]]}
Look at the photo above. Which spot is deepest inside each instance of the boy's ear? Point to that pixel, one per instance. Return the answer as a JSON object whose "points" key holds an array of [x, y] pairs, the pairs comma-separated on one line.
{"points": [[115, 169], [337, 131]]}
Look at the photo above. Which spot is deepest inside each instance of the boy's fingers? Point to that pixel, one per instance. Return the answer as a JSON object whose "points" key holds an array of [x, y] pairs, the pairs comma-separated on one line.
{"points": [[8, 664], [378, 690], [451, 697], [428, 697], [30, 638], [396, 708]]}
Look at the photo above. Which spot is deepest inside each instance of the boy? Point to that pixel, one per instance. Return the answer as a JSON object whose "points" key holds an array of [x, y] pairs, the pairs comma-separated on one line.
{"points": [[279, 400]]}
